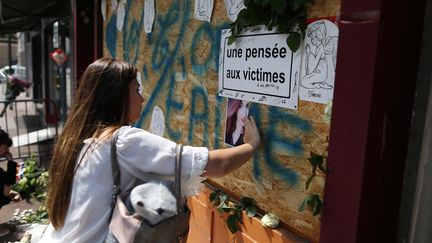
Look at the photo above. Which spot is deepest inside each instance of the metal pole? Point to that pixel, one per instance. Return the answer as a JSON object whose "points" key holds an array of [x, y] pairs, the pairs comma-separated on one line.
{"points": [[10, 52], [62, 92]]}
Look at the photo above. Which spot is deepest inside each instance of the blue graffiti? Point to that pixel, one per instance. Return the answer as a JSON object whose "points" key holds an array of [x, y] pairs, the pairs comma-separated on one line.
{"points": [[256, 169], [217, 121], [174, 104], [167, 60], [166, 23], [196, 117], [111, 36], [213, 34], [275, 140], [145, 72], [161, 56], [215, 44], [131, 35], [183, 67], [204, 31]]}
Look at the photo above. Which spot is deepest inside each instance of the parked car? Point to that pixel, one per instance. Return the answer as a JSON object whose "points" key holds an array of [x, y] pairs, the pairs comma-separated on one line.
{"points": [[3, 77], [18, 71]]}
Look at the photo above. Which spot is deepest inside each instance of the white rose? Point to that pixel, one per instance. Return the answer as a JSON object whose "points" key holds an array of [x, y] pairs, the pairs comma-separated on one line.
{"points": [[270, 220]]}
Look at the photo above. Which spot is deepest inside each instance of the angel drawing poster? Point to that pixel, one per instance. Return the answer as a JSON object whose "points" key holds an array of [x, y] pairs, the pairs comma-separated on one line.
{"points": [[319, 62]]}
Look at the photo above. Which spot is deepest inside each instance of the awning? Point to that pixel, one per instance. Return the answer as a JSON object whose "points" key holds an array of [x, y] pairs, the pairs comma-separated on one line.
{"points": [[24, 15]]}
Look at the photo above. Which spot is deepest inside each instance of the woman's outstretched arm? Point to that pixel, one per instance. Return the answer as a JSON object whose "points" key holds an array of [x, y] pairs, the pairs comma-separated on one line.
{"points": [[224, 161]]}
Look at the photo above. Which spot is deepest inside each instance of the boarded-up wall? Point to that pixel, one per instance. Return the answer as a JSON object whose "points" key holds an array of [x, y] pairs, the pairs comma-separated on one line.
{"points": [[178, 63]]}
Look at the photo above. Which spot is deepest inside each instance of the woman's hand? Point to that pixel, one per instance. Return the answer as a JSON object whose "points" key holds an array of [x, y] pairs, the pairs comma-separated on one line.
{"points": [[224, 161], [251, 134]]}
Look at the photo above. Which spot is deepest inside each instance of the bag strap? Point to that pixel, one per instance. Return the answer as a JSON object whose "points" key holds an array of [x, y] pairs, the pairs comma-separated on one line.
{"points": [[115, 170], [177, 185]]}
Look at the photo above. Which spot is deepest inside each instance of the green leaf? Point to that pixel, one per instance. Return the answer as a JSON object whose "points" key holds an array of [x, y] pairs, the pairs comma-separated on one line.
{"points": [[232, 223], [321, 167], [315, 159], [302, 26], [265, 2], [294, 41], [223, 197], [242, 18], [231, 39], [317, 204], [247, 202], [278, 6], [224, 208], [239, 215], [213, 196], [308, 181], [303, 205], [251, 211]]}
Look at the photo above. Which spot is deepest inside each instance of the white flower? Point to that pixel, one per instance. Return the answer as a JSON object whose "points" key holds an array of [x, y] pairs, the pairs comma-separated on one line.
{"points": [[270, 220]]}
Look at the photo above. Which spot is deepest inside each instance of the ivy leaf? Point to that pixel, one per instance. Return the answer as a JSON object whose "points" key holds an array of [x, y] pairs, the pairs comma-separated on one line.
{"points": [[256, 15], [251, 211], [239, 215], [231, 39], [232, 223], [317, 208], [294, 41], [247, 202], [265, 2], [224, 208], [278, 6], [308, 181], [242, 18], [312, 203], [214, 196], [321, 167], [223, 198], [304, 204], [316, 204], [315, 159], [302, 26]]}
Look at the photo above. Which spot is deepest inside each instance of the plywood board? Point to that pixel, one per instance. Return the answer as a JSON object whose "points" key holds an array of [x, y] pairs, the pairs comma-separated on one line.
{"points": [[179, 70]]}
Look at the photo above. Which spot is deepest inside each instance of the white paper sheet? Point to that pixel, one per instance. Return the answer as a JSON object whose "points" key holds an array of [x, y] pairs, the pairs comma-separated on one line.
{"points": [[149, 15], [139, 82], [233, 8], [103, 9], [203, 9], [114, 4], [157, 123], [319, 62], [120, 14]]}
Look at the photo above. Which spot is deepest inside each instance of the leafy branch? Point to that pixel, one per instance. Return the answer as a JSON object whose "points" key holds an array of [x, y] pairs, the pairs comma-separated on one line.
{"points": [[317, 161], [313, 203], [34, 181], [289, 16], [224, 203]]}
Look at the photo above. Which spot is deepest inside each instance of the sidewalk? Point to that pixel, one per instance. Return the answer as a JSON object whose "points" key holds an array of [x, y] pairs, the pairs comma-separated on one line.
{"points": [[6, 213]]}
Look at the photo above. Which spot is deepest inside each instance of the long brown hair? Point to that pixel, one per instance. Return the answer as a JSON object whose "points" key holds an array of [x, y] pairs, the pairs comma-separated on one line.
{"points": [[101, 102]]}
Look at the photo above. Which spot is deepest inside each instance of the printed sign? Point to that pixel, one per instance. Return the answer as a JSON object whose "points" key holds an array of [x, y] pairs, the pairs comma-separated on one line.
{"points": [[259, 67]]}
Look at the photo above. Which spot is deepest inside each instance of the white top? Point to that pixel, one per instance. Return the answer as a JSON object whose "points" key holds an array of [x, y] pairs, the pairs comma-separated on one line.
{"points": [[138, 152]]}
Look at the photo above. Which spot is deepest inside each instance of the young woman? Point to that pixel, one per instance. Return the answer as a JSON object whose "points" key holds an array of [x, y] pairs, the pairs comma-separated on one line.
{"points": [[80, 188]]}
